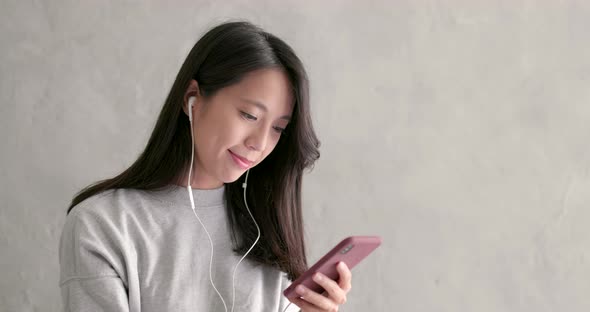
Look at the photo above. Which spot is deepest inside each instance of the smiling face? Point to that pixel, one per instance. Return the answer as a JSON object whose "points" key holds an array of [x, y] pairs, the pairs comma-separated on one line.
{"points": [[237, 127]]}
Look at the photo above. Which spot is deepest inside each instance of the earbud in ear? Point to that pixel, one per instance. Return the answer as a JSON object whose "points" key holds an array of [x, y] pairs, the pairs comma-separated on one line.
{"points": [[191, 103]]}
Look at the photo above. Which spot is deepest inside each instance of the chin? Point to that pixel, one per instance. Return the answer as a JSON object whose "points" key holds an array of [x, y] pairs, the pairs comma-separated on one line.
{"points": [[231, 178]]}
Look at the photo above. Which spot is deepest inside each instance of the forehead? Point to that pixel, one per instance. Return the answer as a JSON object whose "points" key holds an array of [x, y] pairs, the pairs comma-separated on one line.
{"points": [[270, 87]]}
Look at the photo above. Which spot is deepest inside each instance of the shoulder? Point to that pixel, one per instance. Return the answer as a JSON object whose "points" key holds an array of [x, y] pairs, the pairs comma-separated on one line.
{"points": [[110, 204], [108, 211], [123, 211], [94, 239]]}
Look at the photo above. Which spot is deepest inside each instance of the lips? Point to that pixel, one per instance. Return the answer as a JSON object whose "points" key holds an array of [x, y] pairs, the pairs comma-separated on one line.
{"points": [[242, 162]]}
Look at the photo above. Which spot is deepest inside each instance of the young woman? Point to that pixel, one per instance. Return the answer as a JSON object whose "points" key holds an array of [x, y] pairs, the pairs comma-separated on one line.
{"points": [[208, 218]]}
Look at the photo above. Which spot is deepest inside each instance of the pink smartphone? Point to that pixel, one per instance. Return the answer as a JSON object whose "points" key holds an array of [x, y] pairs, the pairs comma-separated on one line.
{"points": [[351, 251]]}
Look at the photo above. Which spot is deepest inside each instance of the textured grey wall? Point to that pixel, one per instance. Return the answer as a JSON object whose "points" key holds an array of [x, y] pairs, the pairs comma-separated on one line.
{"points": [[457, 131]]}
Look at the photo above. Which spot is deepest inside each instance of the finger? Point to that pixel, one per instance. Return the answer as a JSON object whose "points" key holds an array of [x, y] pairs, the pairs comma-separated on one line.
{"points": [[304, 305], [345, 278], [317, 300], [337, 294]]}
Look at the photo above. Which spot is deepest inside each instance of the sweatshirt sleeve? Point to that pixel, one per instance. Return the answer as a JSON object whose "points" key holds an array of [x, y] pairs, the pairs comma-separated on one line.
{"points": [[92, 276]]}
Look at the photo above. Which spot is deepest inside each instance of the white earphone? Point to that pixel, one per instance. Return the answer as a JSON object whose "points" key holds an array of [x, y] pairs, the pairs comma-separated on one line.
{"points": [[191, 102]]}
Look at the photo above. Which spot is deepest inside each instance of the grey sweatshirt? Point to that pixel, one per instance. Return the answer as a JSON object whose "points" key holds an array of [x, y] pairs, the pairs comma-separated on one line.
{"points": [[134, 250]]}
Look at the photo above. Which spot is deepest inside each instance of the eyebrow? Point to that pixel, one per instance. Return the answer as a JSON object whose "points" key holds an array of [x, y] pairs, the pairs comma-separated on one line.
{"points": [[263, 107]]}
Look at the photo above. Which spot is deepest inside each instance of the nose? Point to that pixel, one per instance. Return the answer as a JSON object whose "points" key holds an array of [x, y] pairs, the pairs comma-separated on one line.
{"points": [[258, 139]]}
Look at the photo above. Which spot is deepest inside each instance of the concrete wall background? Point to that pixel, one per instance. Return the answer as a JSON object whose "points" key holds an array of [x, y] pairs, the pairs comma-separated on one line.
{"points": [[456, 130]]}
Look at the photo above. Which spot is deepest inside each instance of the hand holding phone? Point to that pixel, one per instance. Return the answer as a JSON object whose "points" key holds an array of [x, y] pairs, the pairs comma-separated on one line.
{"points": [[351, 251]]}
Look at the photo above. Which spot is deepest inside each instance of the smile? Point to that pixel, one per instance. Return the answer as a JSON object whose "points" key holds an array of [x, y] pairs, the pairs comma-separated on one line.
{"points": [[240, 161]]}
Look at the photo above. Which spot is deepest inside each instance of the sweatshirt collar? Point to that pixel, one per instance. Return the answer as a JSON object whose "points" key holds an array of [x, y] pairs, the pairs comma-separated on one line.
{"points": [[178, 195]]}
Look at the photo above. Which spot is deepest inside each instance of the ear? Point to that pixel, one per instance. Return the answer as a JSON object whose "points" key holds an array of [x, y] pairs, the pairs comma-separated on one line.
{"points": [[192, 90]]}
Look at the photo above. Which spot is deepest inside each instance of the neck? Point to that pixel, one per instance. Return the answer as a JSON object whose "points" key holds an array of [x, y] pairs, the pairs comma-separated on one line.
{"points": [[197, 182]]}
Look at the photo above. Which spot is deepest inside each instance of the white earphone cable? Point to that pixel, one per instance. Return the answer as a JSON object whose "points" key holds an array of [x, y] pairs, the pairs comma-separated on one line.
{"points": [[287, 307], [244, 185], [190, 194], [233, 295]]}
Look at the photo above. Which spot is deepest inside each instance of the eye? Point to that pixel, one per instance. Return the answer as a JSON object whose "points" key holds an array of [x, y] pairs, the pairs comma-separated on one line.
{"points": [[279, 130], [248, 116]]}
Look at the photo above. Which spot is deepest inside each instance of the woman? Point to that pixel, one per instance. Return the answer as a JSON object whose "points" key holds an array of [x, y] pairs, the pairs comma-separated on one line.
{"points": [[218, 182]]}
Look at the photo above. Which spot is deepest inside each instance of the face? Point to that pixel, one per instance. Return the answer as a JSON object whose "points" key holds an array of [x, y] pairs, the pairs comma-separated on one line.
{"points": [[237, 127]]}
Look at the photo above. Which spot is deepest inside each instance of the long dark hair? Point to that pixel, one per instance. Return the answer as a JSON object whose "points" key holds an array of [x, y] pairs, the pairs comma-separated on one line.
{"points": [[219, 59]]}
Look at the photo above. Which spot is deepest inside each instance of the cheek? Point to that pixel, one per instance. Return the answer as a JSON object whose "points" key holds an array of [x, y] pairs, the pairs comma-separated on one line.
{"points": [[233, 135], [218, 135], [207, 143]]}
